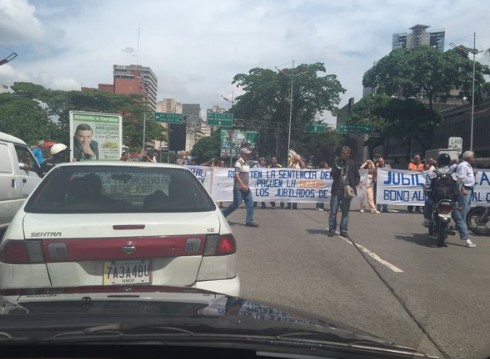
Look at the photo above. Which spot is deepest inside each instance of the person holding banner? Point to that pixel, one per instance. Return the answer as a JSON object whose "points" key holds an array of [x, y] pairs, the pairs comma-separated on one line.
{"points": [[241, 191], [345, 181], [380, 164], [367, 181], [275, 164], [261, 164], [296, 162], [415, 165]]}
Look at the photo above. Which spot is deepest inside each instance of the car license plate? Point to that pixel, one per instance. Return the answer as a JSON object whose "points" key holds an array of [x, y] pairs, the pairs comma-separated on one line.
{"points": [[127, 272]]}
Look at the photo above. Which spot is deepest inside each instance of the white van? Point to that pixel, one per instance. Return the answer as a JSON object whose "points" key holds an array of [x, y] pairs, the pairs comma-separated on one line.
{"points": [[15, 183]]}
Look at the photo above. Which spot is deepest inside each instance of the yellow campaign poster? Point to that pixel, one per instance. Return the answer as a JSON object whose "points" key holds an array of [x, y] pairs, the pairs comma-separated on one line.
{"points": [[95, 136]]}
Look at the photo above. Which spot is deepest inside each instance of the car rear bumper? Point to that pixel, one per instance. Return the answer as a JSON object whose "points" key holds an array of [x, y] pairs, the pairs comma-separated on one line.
{"points": [[225, 286]]}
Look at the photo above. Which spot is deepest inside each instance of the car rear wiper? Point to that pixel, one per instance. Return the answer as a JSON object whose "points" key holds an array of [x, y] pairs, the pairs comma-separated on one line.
{"points": [[115, 330]]}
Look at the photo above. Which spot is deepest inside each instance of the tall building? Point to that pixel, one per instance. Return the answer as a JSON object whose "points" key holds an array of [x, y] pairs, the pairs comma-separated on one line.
{"points": [[169, 105], [419, 37], [136, 79], [192, 113]]}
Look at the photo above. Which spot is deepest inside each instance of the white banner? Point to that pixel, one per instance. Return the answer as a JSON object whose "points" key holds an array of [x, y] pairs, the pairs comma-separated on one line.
{"points": [[405, 188], [271, 184]]}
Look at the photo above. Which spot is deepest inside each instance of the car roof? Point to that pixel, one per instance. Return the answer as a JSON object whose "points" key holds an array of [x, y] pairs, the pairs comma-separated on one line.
{"points": [[9, 138], [121, 164]]}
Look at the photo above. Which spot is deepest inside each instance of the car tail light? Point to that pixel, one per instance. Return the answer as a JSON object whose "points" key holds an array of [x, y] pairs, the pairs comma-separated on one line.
{"points": [[220, 245], [444, 208], [22, 252]]}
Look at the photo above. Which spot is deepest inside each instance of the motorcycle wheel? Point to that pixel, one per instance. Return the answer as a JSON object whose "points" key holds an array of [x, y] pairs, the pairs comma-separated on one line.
{"points": [[441, 234], [473, 223]]}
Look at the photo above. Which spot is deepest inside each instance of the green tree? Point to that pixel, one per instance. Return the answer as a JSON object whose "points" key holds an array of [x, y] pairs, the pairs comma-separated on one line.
{"points": [[265, 103], [207, 148], [397, 119], [59, 104], [25, 118], [424, 71]]}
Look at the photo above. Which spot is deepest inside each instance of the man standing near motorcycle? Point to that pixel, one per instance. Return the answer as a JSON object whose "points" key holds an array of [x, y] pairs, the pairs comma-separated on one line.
{"points": [[466, 177], [433, 195]]}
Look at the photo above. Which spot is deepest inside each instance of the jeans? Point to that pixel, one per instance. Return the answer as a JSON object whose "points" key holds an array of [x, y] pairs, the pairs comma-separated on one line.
{"points": [[336, 201], [459, 217], [428, 210], [238, 197], [465, 203]]}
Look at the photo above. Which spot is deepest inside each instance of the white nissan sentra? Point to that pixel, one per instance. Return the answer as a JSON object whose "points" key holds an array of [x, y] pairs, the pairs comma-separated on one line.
{"points": [[119, 223]]}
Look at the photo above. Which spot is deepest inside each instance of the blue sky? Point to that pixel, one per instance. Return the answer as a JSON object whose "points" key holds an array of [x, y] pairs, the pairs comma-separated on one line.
{"points": [[195, 47]]}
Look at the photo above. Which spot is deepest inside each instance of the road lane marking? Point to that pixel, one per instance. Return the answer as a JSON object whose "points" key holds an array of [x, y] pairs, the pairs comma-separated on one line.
{"points": [[374, 256]]}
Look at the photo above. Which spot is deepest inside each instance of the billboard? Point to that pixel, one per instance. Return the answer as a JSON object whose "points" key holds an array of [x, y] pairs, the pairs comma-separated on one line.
{"points": [[95, 136], [232, 141]]}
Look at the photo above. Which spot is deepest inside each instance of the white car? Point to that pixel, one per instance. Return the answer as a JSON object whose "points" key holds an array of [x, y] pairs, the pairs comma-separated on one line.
{"points": [[119, 223]]}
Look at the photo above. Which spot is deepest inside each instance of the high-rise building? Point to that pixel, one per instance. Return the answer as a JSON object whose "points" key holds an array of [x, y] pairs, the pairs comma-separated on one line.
{"points": [[136, 79], [169, 105], [418, 37], [192, 113]]}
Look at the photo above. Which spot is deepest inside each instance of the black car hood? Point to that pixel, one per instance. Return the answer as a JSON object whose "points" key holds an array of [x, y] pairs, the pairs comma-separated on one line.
{"points": [[118, 309]]}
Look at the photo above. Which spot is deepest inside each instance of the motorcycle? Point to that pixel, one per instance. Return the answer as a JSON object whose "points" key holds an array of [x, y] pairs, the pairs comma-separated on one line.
{"points": [[478, 220], [441, 217]]}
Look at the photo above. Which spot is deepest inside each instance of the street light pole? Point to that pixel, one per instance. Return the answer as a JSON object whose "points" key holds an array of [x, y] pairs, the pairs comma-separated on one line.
{"points": [[290, 111], [473, 94], [292, 76]]}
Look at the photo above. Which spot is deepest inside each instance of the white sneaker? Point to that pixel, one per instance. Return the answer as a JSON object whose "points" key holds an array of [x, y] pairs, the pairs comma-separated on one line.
{"points": [[470, 244], [376, 212], [362, 211]]}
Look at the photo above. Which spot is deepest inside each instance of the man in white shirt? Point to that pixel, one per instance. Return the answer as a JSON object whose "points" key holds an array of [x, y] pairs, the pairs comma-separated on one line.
{"points": [[241, 191], [466, 177]]}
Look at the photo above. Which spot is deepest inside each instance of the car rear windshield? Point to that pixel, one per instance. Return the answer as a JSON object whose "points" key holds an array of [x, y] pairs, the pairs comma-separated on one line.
{"points": [[124, 189]]}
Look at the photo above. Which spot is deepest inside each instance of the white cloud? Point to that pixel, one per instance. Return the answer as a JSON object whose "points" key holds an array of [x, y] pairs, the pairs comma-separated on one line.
{"points": [[18, 22], [196, 47]]}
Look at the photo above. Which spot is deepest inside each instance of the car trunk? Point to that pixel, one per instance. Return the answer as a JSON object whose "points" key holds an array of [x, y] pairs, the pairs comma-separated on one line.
{"points": [[116, 249]]}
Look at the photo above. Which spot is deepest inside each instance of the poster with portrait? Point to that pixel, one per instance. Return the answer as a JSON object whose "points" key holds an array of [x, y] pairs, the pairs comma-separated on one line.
{"points": [[95, 136], [232, 141]]}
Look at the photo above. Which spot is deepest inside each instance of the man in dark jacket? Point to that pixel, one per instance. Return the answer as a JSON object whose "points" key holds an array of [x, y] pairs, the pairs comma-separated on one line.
{"points": [[344, 175], [60, 153]]}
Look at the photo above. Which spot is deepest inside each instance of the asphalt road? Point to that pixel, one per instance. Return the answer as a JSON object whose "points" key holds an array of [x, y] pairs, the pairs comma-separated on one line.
{"points": [[389, 279]]}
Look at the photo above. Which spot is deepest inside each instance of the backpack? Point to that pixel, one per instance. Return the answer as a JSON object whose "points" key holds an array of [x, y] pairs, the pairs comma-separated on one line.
{"points": [[443, 186]]}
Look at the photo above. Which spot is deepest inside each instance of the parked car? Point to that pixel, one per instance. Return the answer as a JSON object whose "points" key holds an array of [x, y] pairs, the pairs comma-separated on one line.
{"points": [[18, 176], [115, 223]]}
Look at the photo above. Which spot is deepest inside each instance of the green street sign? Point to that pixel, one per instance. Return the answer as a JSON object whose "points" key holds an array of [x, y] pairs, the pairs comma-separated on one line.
{"points": [[354, 128], [315, 128], [220, 119], [172, 118]]}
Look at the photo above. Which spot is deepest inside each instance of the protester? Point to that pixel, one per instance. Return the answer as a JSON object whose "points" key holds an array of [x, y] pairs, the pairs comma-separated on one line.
{"points": [[466, 176], [275, 164], [182, 159], [38, 152], [60, 153], [430, 164], [296, 162], [415, 165], [344, 174], [367, 181], [241, 190], [125, 156], [380, 163], [261, 164], [324, 166], [430, 188]]}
